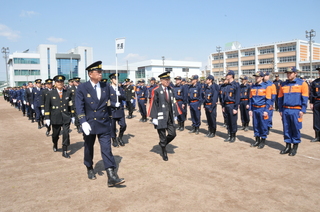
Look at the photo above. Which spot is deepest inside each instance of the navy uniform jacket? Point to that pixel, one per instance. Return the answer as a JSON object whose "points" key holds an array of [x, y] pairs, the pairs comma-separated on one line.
{"points": [[116, 112], [150, 88], [315, 91], [159, 108], [129, 92], [29, 96], [37, 95], [59, 111], [22, 94], [195, 94], [181, 93], [210, 96], [92, 110], [231, 93], [44, 96], [142, 93], [245, 91]]}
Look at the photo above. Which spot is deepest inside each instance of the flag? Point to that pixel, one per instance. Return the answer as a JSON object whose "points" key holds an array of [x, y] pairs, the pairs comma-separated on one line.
{"points": [[120, 45]]}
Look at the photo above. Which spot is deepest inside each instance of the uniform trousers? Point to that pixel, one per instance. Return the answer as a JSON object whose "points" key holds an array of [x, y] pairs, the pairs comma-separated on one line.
{"points": [[130, 107], [212, 118], [56, 129], [142, 107], [231, 118], [245, 118], [182, 117], [270, 114], [105, 146], [123, 126], [165, 138], [260, 124], [195, 114], [316, 116], [291, 125], [37, 110]]}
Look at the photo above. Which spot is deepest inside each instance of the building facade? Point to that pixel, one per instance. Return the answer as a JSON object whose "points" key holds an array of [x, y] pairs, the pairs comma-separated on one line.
{"points": [[274, 58]]}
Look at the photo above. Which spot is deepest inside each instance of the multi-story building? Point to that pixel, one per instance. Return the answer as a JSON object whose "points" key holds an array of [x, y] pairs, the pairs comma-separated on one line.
{"points": [[273, 58]]}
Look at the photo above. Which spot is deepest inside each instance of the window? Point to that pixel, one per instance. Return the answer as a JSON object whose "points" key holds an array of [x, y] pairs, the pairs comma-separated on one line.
{"points": [[287, 48], [248, 72], [266, 51], [287, 59], [185, 69], [249, 53], [232, 64], [283, 69], [307, 68], [26, 60], [269, 70], [266, 61], [141, 73], [168, 69], [233, 55], [68, 67], [18, 72], [216, 57], [219, 65], [248, 62]]}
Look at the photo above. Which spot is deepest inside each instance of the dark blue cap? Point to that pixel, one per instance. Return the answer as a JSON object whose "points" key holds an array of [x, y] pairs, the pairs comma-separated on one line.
{"points": [[291, 69], [24, 84], [230, 72], [244, 77], [38, 81], [95, 66], [259, 74], [165, 75], [113, 76], [210, 77], [177, 78], [142, 81], [59, 78], [193, 77], [183, 79], [153, 79], [266, 73]]}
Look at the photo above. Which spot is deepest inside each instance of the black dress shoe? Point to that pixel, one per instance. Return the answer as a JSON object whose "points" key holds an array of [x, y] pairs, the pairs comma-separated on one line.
{"points": [[113, 178], [47, 133], [91, 174], [55, 148], [287, 149], [120, 141], [262, 143], [164, 154], [115, 142], [256, 143], [293, 151], [65, 154]]}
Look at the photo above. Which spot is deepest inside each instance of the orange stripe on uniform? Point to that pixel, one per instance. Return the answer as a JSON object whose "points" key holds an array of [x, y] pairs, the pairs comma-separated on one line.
{"points": [[305, 89]]}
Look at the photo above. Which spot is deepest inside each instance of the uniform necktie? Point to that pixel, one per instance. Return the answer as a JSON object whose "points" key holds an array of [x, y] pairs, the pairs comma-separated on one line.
{"points": [[165, 93], [60, 94]]}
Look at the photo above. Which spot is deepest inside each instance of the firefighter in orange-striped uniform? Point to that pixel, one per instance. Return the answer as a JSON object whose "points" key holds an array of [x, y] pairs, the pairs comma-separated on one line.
{"points": [[293, 102]]}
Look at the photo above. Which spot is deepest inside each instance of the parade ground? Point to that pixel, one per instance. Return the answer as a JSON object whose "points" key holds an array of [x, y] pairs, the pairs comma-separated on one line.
{"points": [[202, 174]]}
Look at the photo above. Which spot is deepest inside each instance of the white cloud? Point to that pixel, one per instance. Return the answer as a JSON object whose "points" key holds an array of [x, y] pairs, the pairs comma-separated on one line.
{"points": [[8, 33], [131, 57], [27, 13], [56, 40]]}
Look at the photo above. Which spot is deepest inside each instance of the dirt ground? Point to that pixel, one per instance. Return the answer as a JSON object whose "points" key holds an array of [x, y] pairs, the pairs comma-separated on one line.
{"points": [[202, 174]]}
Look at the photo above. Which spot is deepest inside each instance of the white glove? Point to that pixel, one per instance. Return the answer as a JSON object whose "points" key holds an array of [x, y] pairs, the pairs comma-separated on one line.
{"points": [[118, 93], [24, 102], [117, 104], [86, 128], [155, 121], [72, 120], [175, 118], [42, 112], [32, 107], [131, 100], [48, 122]]}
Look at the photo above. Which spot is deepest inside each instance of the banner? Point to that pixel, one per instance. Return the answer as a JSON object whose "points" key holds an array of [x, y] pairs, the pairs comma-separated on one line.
{"points": [[120, 45]]}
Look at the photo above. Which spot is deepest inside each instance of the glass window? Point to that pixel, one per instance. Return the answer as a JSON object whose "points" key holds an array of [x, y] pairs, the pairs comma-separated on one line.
{"points": [[266, 70], [23, 72], [68, 67], [249, 53], [248, 72], [266, 51], [185, 69], [266, 61], [216, 57], [168, 69], [141, 73], [287, 48], [219, 65], [283, 69], [287, 59], [233, 55], [26, 60], [248, 62], [232, 64]]}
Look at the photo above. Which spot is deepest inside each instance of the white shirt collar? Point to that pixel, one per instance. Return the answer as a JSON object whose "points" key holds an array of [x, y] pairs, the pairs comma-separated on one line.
{"points": [[98, 84]]}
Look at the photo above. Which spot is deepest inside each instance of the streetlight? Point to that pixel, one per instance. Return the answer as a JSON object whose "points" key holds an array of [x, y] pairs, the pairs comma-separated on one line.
{"points": [[310, 35], [218, 49], [6, 52], [163, 63]]}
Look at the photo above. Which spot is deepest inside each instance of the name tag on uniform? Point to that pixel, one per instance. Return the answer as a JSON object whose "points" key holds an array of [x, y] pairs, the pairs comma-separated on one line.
{"points": [[88, 95]]}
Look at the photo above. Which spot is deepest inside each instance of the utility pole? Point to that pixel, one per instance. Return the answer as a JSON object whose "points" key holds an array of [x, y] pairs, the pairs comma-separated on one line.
{"points": [[310, 35], [5, 51], [218, 49], [163, 63]]}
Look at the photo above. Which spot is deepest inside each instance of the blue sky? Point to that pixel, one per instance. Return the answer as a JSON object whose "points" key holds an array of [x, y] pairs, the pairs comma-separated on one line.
{"points": [[177, 29]]}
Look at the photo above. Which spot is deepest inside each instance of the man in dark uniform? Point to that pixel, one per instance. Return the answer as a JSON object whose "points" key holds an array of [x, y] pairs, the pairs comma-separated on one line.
{"points": [[210, 100], [70, 83], [104, 80], [315, 106], [92, 100], [195, 101], [58, 111], [223, 85], [230, 104], [29, 101], [23, 100], [117, 110], [142, 94], [181, 97], [130, 95], [73, 89], [277, 82], [45, 92], [162, 112], [37, 95], [244, 102]]}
